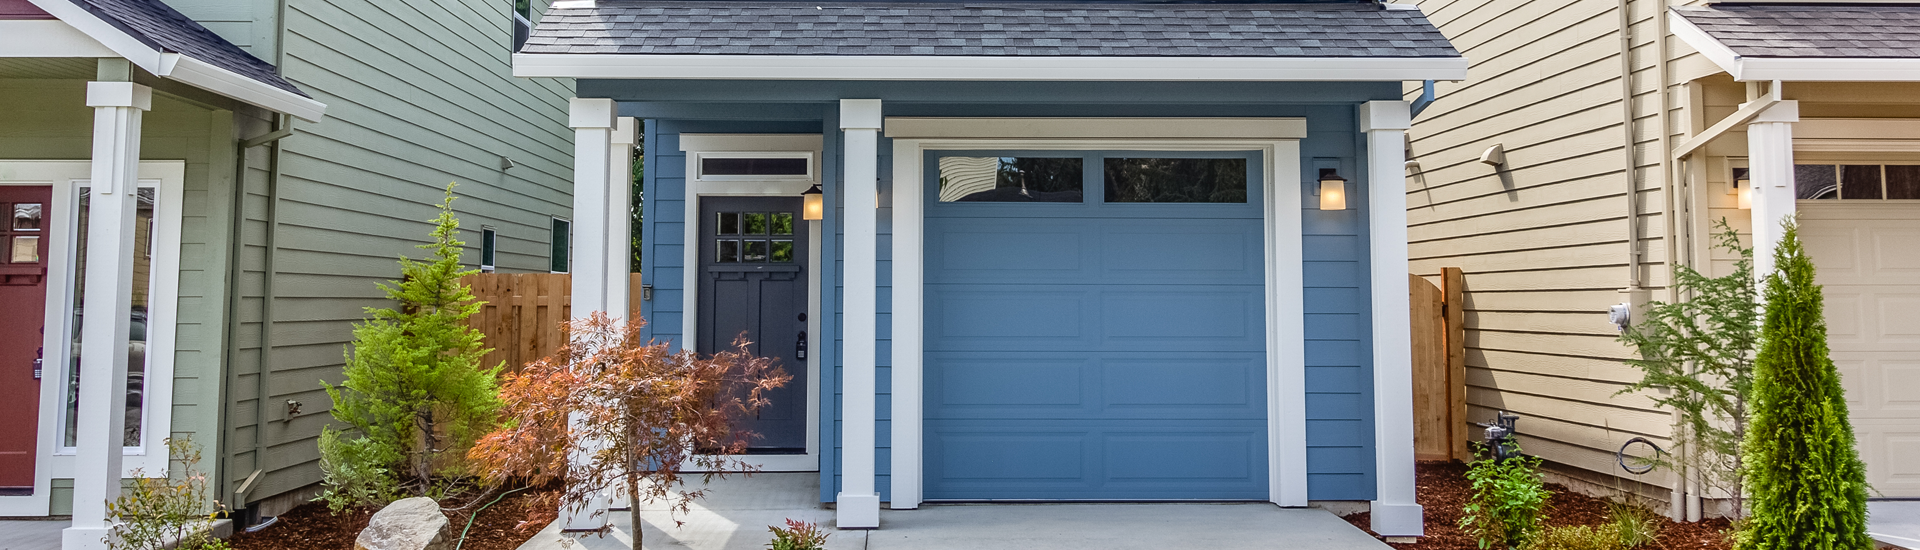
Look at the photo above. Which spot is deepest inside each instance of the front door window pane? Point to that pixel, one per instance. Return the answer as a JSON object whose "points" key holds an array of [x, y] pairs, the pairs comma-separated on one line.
{"points": [[754, 251], [26, 216], [25, 250], [136, 327], [1010, 179]]}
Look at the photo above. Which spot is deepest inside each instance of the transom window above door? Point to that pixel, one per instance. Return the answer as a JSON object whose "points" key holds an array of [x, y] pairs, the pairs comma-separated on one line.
{"points": [[753, 237], [1093, 177]]}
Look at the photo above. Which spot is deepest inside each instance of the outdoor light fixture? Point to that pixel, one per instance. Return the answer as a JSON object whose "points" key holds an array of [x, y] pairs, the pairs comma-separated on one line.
{"points": [[816, 204], [1743, 188], [1333, 190]]}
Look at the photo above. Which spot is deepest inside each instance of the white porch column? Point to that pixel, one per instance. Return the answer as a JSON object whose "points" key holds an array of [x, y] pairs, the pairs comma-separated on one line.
{"points": [[1770, 165], [593, 123], [619, 199], [1396, 513], [117, 108], [858, 505]]}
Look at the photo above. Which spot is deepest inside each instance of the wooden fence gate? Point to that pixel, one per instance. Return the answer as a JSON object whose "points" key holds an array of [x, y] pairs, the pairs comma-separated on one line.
{"points": [[1439, 367], [523, 312]]}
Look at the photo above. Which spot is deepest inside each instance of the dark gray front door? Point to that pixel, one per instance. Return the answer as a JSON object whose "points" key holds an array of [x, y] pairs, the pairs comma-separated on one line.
{"points": [[753, 260]]}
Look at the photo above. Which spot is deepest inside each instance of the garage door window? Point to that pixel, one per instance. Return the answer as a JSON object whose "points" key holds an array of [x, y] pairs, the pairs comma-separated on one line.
{"points": [[1091, 178], [1857, 181], [1132, 179], [1010, 179]]}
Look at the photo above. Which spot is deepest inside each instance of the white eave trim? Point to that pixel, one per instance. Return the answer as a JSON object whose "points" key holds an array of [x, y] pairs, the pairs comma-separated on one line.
{"points": [[48, 38], [1794, 69], [189, 70], [986, 68]]}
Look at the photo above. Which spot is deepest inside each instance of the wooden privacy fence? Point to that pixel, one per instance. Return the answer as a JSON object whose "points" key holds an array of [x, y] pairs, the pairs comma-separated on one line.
{"points": [[1439, 367], [523, 312]]}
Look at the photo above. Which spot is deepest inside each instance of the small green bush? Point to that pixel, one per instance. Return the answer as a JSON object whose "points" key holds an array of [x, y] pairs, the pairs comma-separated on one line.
{"points": [[1509, 500], [798, 535], [154, 512], [1580, 537], [1635, 525]]}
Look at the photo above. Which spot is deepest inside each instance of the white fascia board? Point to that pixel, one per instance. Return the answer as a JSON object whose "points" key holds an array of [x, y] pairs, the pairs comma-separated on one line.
{"points": [[987, 68], [218, 80], [1794, 69], [48, 38]]}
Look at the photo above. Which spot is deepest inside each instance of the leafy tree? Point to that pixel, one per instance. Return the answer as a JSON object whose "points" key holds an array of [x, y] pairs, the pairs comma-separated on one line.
{"points": [[634, 412], [1700, 351], [1808, 486], [1508, 503], [415, 394]]}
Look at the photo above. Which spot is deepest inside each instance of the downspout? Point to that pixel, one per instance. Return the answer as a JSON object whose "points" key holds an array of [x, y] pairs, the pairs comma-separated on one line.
{"points": [[271, 246], [1627, 149], [1682, 499]]}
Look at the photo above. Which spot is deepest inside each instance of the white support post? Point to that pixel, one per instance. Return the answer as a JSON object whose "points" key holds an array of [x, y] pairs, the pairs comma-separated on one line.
{"points": [[1396, 512], [114, 196], [858, 504], [909, 226], [1770, 165], [620, 217], [593, 124]]}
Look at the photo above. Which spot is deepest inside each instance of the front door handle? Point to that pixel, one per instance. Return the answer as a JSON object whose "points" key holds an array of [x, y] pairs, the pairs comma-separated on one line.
{"points": [[800, 347]]}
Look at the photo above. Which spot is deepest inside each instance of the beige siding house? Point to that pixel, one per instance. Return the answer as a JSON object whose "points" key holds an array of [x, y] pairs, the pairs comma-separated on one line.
{"points": [[1590, 149]]}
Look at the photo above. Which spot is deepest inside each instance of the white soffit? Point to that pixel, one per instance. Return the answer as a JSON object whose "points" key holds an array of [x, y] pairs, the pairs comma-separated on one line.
{"points": [[48, 38], [1794, 69], [1096, 128], [987, 68], [112, 42]]}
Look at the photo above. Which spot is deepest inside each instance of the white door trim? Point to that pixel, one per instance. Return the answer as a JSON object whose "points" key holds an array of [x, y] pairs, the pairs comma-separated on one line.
{"points": [[66, 177], [736, 186], [1285, 310]]}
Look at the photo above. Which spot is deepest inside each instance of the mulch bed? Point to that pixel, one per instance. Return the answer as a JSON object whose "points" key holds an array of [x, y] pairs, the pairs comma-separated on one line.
{"points": [[1444, 490], [504, 526]]}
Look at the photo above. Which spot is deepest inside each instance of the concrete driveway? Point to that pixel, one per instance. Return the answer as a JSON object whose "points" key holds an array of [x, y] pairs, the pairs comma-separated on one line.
{"points": [[1895, 522], [738, 510]]}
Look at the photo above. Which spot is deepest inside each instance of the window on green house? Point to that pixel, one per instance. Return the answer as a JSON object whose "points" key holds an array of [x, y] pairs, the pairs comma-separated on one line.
{"points": [[487, 249], [561, 243], [522, 22]]}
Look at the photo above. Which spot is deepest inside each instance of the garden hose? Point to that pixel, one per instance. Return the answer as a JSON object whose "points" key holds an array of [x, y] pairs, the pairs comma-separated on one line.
{"points": [[1621, 456], [476, 515]]}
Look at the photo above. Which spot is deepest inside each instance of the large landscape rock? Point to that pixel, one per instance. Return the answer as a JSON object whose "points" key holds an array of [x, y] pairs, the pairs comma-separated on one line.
{"points": [[410, 524]]}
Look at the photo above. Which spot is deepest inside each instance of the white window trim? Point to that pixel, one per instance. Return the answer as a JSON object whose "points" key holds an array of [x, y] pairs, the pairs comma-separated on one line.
{"points": [[1285, 295], [699, 146], [52, 459]]}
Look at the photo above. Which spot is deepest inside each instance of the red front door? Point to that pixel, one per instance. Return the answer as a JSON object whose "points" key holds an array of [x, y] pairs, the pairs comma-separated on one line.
{"points": [[23, 290]]}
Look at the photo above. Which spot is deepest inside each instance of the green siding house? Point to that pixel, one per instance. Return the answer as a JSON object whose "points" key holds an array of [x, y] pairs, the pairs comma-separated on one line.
{"points": [[240, 174]]}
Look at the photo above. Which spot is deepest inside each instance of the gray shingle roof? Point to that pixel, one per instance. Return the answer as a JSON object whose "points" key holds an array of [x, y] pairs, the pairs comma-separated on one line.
{"points": [[1811, 31], [167, 30], [1017, 29]]}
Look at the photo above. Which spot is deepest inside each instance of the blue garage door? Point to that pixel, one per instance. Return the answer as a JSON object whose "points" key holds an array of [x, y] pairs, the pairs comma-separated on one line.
{"points": [[1095, 326]]}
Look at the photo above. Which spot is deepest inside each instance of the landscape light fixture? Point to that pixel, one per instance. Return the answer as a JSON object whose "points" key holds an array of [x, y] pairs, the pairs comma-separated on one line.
{"points": [[815, 207], [1333, 190]]}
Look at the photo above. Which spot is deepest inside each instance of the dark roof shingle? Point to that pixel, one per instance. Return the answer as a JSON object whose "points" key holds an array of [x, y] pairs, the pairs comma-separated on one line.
{"points": [[167, 30], [955, 29], [1884, 31]]}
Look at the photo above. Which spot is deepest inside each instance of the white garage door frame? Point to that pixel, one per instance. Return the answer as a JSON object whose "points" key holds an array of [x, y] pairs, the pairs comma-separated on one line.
{"points": [[1277, 139]]}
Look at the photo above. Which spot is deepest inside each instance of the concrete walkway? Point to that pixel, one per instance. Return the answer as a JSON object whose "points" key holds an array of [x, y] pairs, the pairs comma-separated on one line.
{"points": [[1895, 522], [737, 511]]}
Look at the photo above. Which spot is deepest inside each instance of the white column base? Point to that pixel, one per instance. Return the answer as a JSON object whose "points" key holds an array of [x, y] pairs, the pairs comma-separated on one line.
{"points": [[84, 538], [856, 511], [1398, 520]]}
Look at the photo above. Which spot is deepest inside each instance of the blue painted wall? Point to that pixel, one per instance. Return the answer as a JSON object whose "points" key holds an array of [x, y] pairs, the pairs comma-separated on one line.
{"points": [[1339, 371]]}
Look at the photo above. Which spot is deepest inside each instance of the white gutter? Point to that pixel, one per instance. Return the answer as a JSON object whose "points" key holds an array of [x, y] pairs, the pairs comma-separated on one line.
{"points": [[987, 68], [1797, 69], [189, 70]]}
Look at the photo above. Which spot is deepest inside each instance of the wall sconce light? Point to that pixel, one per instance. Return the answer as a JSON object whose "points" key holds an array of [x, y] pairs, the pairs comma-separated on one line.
{"points": [[1333, 190], [815, 207], [1743, 188]]}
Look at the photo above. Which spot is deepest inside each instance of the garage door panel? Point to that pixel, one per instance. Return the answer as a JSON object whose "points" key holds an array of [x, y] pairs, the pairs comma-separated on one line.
{"points": [[1116, 386], [1079, 460], [1009, 251], [1142, 456], [1006, 455], [1196, 318], [1868, 260], [996, 317]]}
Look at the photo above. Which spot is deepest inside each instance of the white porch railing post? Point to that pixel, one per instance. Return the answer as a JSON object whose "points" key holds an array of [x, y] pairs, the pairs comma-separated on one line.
{"points": [[1396, 512], [858, 505], [1770, 167], [593, 124], [115, 192]]}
